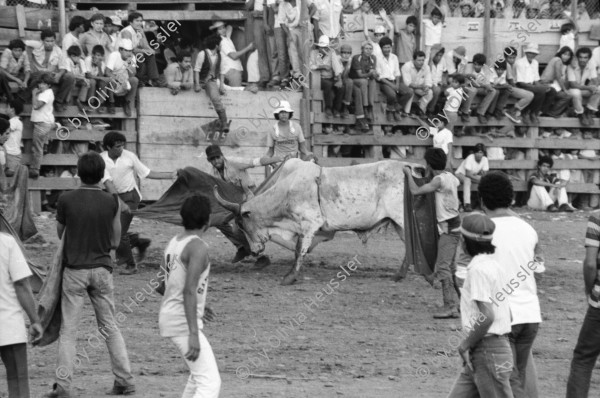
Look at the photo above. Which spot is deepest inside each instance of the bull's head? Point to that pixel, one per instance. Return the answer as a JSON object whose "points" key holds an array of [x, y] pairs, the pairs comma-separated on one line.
{"points": [[249, 219]]}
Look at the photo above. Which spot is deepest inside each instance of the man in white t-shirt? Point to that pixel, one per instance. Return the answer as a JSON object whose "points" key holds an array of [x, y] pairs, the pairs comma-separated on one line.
{"points": [[470, 171], [76, 28], [121, 67], [231, 66], [15, 296]]}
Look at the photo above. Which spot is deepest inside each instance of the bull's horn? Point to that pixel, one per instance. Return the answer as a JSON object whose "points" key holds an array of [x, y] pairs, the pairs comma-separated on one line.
{"points": [[248, 191], [232, 207]]}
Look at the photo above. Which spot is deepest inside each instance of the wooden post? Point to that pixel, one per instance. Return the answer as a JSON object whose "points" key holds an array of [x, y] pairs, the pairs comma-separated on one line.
{"points": [[306, 38], [421, 36], [21, 21], [62, 18], [487, 32]]}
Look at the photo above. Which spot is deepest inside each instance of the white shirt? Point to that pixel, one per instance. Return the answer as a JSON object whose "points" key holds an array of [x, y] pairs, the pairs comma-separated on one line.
{"points": [[44, 114], [78, 68], [495, 153], [441, 139], [482, 283], [454, 97], [68, 41], [471, 164], [13, 268], [450, 66], [433, 33], [120, 68], [526, 72], [328, 15], [388, 68], [122, 172], [172, 321], [575, 74], [227, 62], [13, 144], [515, 242], [595, 58], [437, 71], [567, 40]]}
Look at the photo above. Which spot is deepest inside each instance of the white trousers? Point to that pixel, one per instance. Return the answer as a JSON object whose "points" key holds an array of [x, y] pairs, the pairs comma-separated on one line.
{"points": [[204, 381], [540, 199], [252, 67]]}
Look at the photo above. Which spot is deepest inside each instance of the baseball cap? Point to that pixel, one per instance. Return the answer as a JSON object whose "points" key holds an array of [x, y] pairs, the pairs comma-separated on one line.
{"points": [[213, 151], [380, 29], [126, 44], [478, 227]]}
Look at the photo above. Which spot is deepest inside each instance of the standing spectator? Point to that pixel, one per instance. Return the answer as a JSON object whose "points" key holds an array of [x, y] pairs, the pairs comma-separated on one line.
{"points": [[363, 72], [343, 102], [587, 349], [75, 65], [466, 9], [87, 220], [179, 75], [590, 176], [231, 66], [16, 294], [96, 36], [390, 82], [286, 139], [437, 65], [42, 118], [324, 60], [47, 57], [76, 28], [258, 25], [15, 64], [405, 7], [329, 19], [568, 33], [95, 70], [417, 76], [13, 145], [525, 97], [443, 138], [454, 98], [480, 85], [406, 42], [290, 23], [546, 190], [454, 9], [207, 72], [485, 351], [527, 77], [554, 11], [433, 31], [182, 310], [583, 83], [281, 76], [470, 172], [147, 71], [122, 167], [120, 68]]}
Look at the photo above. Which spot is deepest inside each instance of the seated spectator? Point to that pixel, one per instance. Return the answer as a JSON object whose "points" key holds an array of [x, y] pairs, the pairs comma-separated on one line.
{"points": [[326, 62], [343, 102], [456, 60], [231, 65], [533, 10], [206, 75], [47, 57], [95, 70], [467, 9], [406, 42], [433, 31], [454, 98], [404, 7], [454, 10], [470, 172], [545, 189], [568, 33], [506, 90], [121, 69], [112, 27], [390, 83], [76, 66], [179, 75], [42, 118], [554, 11], [147, 71], [15, 64], [437, 65], [363, 72], [417, 76], [76, 28], [480, 85], [590, 176], [583, 83], [14, 144], [96, 36], [527, 76], [498, 9], [554, 77]]}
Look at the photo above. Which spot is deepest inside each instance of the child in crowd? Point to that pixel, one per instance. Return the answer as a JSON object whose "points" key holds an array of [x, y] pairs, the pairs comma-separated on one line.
{"points": [[433, 31], [568, 33], [442, 137], [13, 145], [454, 98], [42, 117], [76, 66], [406, 42], [95, 73]]}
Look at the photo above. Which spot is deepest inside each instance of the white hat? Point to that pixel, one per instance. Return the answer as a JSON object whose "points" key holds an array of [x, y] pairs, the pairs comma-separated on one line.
{"points": [[116, 20], [531, 48], [126, 44], [323, 41], [380, 29], [284, 106], [216, 25]]}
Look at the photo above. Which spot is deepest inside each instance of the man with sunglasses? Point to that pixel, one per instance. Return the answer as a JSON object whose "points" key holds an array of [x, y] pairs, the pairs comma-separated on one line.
{"points": [[236, 172]]}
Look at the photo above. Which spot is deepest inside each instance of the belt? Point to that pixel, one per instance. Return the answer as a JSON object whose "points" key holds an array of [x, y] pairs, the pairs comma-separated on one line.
{"points": [[495, 336], [257, 14]]}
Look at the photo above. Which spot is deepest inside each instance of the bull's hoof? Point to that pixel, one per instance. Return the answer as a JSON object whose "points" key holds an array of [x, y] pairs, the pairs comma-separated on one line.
{"points": [[289, 279]]}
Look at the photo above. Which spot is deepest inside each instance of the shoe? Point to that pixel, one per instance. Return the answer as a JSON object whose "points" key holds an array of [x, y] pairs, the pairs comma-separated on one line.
{"points": [[111, 108], [9, 173], [468, 208], [565, 207], [127, 109], [464, 117], [447, 313], [129, 270], [362, 124], [498, 114], [274, 82], [337, 114], [534, 119], [57, 392], [102, 109], [345, 113], [262, 262], [174, 91], [514, 115], [389, 116], [121, 390], [481, 119], [590, 115], [552, 209], [241, 254], [34, 174], [583, 120], [328, 113], [142, 246], [450, 309]]}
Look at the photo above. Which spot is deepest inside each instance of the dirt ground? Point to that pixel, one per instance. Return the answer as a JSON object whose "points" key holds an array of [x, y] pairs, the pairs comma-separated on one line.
{"points": [[364, 337]]}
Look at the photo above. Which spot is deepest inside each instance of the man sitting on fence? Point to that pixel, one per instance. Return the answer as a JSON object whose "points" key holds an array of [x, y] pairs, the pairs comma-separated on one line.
{"points": [[390, 82], [325, 61], [417, 76], [583, 83], [147, 71], [179, 75], [546, 190], [231, 66], [478, 74], [15, 64], [121, 68]]}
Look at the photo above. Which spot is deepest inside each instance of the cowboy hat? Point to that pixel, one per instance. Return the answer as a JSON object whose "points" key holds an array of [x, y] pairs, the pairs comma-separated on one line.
{"points": [[284, 106], [216, 25]]}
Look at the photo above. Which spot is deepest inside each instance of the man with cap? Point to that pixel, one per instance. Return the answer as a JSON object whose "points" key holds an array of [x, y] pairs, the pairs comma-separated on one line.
{"points": [[235, 171], [112, 27], [485, 350], [390, 82], [286, 140], [325, 61], [445, 186], [527, 76], [231, 64], [121, 67]]}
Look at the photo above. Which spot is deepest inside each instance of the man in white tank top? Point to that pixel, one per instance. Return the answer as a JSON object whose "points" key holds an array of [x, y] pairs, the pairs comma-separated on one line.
{"points": [[181, 311], [444, 184]]}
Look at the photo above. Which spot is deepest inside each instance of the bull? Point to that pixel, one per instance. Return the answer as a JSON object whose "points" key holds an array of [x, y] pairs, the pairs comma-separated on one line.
{"points": [[307, 201]]}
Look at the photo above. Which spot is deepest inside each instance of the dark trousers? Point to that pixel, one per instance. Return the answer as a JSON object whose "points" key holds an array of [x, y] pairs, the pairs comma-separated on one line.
{"points": [[329, 92], [147, 70], [556, 102], [539, 96], [521, 340], [344, 96], [585, 355], [501, 100], [132, 199], [396, 100], [14, 357]]}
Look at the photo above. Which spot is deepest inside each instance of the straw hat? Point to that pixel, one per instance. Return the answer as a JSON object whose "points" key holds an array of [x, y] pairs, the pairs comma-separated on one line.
{"points": [[216, 25]]}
